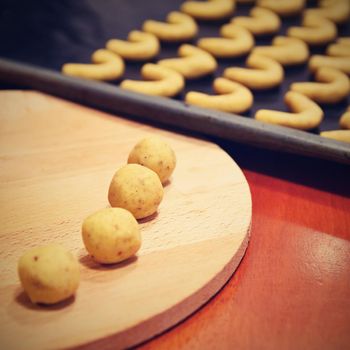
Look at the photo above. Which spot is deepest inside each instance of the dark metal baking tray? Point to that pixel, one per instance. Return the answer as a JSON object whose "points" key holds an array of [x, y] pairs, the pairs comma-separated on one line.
{"points": [[37, 37]]}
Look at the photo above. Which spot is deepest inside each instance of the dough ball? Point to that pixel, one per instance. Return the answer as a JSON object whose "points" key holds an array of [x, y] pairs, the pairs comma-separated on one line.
{"points": [[154, 153], [49, 274], [111, 235], [137, 189]]}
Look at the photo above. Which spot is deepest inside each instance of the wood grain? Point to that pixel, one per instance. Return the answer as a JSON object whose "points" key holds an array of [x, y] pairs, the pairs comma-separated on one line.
{"points": [[292, 289], [57, 159]]}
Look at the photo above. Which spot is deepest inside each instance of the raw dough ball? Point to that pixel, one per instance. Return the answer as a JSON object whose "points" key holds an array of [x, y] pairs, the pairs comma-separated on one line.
{"points": [[137, 189], [49, 274], [111, 235], [156, 154]]}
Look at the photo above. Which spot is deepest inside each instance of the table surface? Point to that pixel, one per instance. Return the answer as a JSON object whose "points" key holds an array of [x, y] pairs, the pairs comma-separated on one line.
{"points": [[292, 288], [291, 291]]}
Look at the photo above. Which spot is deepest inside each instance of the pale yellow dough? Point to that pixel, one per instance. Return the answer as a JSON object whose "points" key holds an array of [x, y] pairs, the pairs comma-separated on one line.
{"points": [[341, 63], [193, 62], [263, 73], [283, 7], [315, 30], [232, 97], [285, 50], [49, 274], [111, 235], [140, 46], [106, 66], [338, 11], [261, 21], [210, 9], [338, 135], [344, 40], [339, 49], [162, 81], [344, 120], [178, 27], [137, 189], [305, 114], [235, 41], [156, 154], [332, 86]]}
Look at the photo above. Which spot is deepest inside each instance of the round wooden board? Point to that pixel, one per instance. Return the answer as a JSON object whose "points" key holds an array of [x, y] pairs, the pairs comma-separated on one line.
{"points": [[57, 159]]}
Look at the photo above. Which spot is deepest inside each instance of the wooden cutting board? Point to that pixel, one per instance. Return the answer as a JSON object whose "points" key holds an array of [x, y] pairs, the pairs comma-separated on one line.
{"points": [[57, 159]]}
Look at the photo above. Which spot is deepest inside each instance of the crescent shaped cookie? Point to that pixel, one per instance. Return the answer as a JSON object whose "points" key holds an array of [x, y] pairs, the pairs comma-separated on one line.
{"points": [[315, 30], [140, 46], [261, 21], [341, 63], [263, 73], [106, 66], [232, 97], [337, 11], [178, 27], [235, 41], [332, 86], [285, 50], [283, 7], [209, 10], [339, 49], [193, 62], [162, 81], [305, 115]]}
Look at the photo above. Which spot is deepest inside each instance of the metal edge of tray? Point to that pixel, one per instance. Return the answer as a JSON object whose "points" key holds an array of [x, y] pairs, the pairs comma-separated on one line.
{"points": [[173, 113]]}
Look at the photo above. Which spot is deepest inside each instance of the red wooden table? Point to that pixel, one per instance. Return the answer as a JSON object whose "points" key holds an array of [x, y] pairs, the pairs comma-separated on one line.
{"points": [[292, 289]]}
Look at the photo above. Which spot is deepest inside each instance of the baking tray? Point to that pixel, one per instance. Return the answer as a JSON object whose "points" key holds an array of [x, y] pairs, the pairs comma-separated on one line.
{"points": [[38, 37]]}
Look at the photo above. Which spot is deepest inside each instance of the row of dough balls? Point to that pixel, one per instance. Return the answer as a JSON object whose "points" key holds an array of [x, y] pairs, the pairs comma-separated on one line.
{"points": [[136, 189], [50, 274]]}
